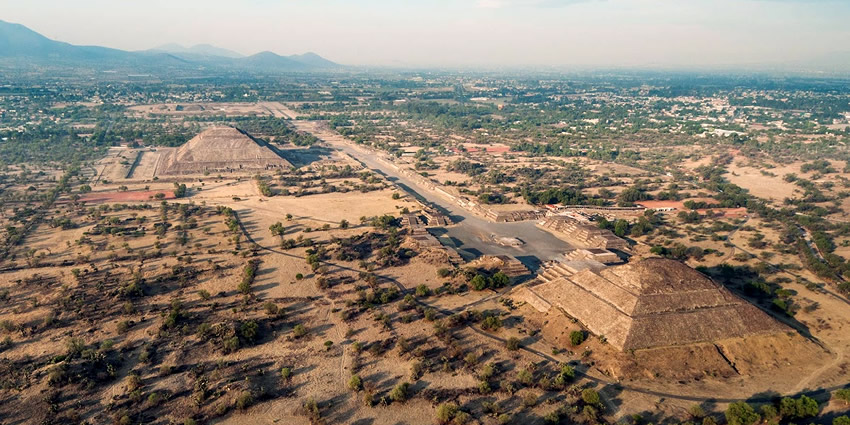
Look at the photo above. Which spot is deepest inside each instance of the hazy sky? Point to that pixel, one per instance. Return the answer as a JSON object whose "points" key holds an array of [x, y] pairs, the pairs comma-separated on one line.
{"points": [[461, 32]]}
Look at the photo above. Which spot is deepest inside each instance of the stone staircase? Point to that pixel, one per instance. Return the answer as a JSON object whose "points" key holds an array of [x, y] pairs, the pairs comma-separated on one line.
{"points": [[553, 270], [585, 234]]}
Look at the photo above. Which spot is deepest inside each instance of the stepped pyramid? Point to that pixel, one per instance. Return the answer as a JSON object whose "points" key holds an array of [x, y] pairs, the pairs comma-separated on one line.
{"points": [[220, 149], [651, 303], [585, 234]]}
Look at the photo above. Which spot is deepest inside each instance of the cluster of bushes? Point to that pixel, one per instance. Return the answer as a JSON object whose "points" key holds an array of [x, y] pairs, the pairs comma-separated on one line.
{"points": [[479, 282], [263, 186], [698, 205], [465, 167], [788, 409], [84, 365], [249, 273], [180, 190], [629, 196], [563, 196], [230, 336], [644, 225], [678, 252]]}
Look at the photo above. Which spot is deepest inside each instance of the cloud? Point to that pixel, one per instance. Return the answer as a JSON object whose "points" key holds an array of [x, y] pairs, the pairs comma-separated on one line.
{"points": [[500, 4]]}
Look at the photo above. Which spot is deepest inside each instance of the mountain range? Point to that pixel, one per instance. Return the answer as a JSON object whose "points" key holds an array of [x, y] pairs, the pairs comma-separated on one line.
{"points": [[23, 46]]}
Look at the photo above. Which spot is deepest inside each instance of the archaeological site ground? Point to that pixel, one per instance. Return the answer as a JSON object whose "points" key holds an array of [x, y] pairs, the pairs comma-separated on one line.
{"points": [[424, 248]]}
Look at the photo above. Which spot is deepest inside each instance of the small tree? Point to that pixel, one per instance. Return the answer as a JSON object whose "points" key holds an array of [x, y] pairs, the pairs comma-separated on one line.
{"points": [[478, 283], [576, 338], [512, 343], [843, 395], [799, 408], [491, 323], [277, 229], [591, 397], [500, 280], [741, 413]]}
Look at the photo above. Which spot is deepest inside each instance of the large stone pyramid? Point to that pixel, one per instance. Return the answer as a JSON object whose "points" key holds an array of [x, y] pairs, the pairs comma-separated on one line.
{"points": [[220, 149], [653, 303]]}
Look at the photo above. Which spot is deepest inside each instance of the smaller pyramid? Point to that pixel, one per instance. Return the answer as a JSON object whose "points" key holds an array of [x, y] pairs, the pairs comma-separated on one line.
{"points": [[220, 149]]}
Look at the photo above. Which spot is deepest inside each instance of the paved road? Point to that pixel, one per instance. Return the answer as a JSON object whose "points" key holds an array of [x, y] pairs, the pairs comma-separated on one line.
{"points": [[474, 235]]}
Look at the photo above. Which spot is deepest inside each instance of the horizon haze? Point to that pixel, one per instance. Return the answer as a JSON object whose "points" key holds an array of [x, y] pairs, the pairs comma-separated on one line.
{"points": [[777, 34]]}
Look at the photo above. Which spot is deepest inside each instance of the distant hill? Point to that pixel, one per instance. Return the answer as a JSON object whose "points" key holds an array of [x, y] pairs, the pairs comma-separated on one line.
{"points": [[269, 60], [313, 60], [19, 41], [23, 46], [198, 49]]}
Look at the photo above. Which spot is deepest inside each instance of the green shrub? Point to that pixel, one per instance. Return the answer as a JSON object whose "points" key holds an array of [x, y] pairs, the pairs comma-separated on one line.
{"points": [[446, 412], [245, 400], [843, 395], [512, 343], [741, 413], [154, 399], [285, 372], [355, 383], [552, 417], [231, 344], [249, 330], [500, 280], [799, 408], [422, 291], [271, 308], [491, 323], [576, 338], [488, 371], [590, 397], [399, 393], [478, 283], [529, 400], [430, 314]]}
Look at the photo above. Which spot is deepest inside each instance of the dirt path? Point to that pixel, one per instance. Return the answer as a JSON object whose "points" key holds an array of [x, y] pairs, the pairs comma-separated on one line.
{"points": [[731, 253], [802, 385]]}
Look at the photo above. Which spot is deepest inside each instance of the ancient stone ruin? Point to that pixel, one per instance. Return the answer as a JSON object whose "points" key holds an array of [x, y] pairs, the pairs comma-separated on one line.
{"points": [[650, 303], [220, 149], [584, 234]]}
